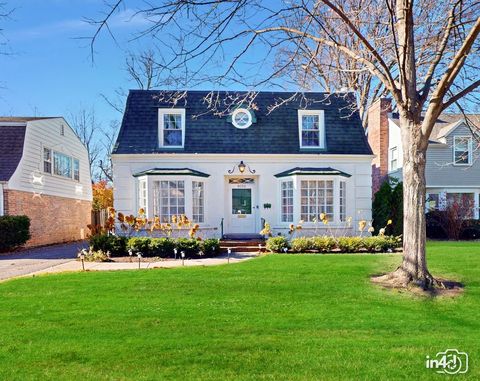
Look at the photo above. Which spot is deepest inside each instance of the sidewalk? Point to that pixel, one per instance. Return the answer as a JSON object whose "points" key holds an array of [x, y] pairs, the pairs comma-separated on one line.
{"points": [[113, 266]]}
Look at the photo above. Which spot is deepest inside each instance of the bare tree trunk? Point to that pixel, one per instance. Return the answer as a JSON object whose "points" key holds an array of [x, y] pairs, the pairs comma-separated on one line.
{"points": [[414, 265]]}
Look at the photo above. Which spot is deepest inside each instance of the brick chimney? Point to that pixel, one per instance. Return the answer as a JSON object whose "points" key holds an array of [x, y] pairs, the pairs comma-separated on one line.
{"points": [[378, 139]]}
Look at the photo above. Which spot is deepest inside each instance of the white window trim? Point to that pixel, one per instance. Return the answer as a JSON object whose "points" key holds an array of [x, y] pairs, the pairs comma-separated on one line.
{"points": [[161, 113], [188, 180], [246, 111], [52, 165], [297, 179], [285, 180], [321, 128], [470, 147], [393, 149]]}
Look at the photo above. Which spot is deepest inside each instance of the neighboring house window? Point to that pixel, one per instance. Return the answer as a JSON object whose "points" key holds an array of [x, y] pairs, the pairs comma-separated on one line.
{"points": [[76, 169], [310, 124], [393, 158], [47, 160], [287, 201], [62, 165], [343, 201], [142, 195], [172, 127], [170, 199], [198, 201], [316, 198], [462, 150], [463, 202], [433, 201]]}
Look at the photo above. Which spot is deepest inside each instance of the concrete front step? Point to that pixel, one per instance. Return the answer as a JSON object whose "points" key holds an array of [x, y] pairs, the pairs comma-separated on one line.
{"points": [[225, 243], [242, 249]]}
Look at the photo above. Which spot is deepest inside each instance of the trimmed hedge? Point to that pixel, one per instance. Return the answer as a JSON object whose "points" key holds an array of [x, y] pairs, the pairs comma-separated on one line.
{"points": [[14, 231], [155, 247], [375, 244], [115, 245]]}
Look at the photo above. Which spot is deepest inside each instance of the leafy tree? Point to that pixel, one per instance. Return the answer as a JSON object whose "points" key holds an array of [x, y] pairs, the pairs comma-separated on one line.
{"points": [[388, 205], [102, 195]]}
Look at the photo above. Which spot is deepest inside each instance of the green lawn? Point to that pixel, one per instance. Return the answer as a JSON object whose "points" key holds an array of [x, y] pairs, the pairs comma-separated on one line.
{"points": [[278, 317]]}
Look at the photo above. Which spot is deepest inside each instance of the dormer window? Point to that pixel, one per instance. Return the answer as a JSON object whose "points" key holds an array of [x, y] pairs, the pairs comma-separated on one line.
{"points": [[242, 118], [171, 124], [311, 128]]}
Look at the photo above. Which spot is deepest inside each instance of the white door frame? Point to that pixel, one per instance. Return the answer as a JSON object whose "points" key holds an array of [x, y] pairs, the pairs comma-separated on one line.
{"points": [[241, 223]]}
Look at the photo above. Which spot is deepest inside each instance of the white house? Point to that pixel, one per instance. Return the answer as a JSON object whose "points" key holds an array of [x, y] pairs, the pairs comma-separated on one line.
{"points": [[45, 174], [235, 166]]}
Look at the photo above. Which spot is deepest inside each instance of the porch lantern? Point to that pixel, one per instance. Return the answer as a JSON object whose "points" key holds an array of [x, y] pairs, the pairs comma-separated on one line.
{"points": [[241, 167]]}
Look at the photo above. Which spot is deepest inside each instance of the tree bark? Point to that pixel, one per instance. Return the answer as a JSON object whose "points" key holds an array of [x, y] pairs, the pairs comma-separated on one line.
{"points": [[414, 265]]}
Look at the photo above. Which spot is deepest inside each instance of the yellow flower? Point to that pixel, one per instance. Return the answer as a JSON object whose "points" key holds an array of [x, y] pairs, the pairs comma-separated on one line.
{"points": [[381, 231], [371, 229], [322, 216], [141, 211], [361, 225], [389, 222]]}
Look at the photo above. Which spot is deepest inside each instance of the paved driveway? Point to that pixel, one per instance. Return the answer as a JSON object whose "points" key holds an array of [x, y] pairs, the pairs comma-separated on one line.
{"points": [[33, 260]]}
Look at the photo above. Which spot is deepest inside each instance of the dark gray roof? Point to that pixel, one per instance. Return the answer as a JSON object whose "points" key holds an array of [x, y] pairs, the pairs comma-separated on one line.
{"points": [[312, 171], [11, 149], [171, 172], [273, 133]]}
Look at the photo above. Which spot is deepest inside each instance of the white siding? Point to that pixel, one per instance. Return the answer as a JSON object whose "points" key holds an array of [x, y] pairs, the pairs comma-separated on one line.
{"points": [[394, 140], [359, 186], [29, 175]]}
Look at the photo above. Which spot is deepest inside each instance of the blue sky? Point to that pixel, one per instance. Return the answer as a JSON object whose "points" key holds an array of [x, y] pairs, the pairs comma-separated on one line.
{"points": [[50, 71]]}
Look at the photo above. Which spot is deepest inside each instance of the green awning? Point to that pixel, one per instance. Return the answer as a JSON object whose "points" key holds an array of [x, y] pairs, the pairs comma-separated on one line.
{"points": [[171, 172], [328, 171]]}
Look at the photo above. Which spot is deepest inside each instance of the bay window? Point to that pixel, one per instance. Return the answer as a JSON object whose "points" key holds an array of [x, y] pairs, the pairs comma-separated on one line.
{"points": [[316, 198], [198, 199], [287, 201], [343, 201], [169, 199]]}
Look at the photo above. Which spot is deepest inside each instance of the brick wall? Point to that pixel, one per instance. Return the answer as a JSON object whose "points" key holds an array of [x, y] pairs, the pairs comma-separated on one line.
{"points": [[52, 219], [378, 139]]}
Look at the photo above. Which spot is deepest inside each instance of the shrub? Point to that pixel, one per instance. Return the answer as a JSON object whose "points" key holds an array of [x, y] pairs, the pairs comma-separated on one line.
{"points": [[210, 246], [162, 247], [349, 244], [115, 245], [140, 245], [301, 244], [277, 244], [323, 244], [14, 231], [381, 243], [95, 255], [388, 205], [190, 246]]}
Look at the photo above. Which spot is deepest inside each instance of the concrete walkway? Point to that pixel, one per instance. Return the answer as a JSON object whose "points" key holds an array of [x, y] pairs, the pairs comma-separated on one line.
{"points": [[49, 266], [37, 259]]}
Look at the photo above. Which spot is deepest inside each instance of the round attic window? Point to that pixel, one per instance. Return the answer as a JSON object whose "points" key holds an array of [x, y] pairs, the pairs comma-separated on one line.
{"points": [[242, 118]]}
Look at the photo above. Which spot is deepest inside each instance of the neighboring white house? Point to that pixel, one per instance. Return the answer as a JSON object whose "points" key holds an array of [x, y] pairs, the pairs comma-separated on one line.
{"points": [[45, 174], [235, 167], [452, 169]]}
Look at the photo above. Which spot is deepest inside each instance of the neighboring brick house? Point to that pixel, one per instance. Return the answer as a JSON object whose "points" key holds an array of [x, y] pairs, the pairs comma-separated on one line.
{"points": [[452, 170], [45, 174], [240, 165]]}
